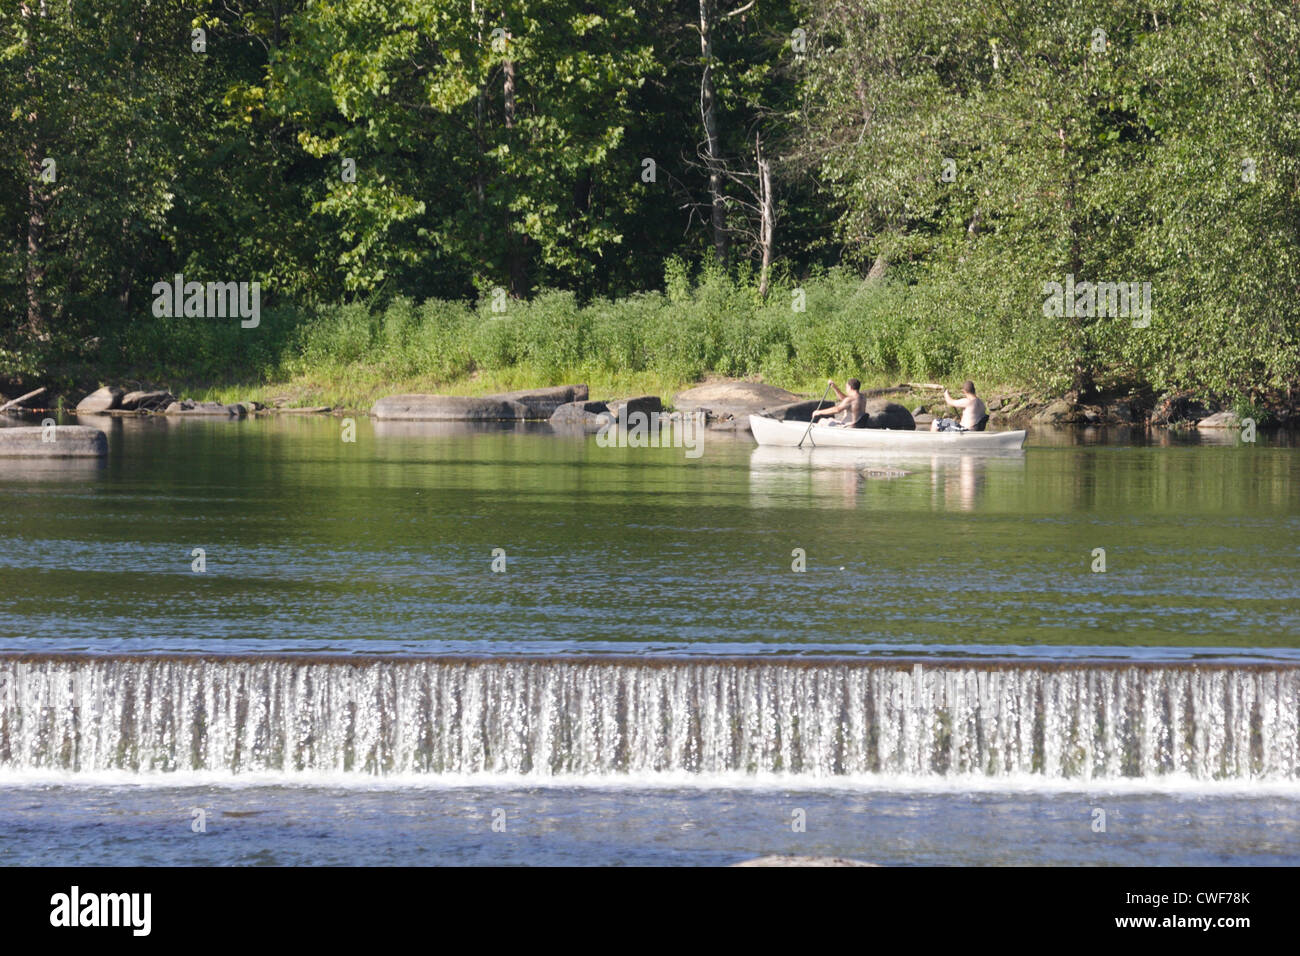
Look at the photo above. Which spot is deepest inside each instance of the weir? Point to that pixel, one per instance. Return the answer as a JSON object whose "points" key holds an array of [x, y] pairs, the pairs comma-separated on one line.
{"points": [[566, 716]]}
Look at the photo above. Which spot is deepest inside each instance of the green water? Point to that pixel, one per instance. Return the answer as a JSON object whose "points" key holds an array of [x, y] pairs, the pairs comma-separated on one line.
{"points": [[387, 544]]}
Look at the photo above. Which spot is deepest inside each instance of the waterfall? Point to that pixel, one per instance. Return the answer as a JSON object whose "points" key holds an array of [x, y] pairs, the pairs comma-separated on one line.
{"points": [[571, 717]]}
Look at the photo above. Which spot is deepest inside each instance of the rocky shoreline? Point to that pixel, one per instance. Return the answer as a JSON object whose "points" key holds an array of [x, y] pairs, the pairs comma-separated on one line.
{"points": [[724, 404]]}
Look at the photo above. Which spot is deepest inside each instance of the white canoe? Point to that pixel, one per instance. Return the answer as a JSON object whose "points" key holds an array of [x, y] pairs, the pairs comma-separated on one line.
{"points": [[770, 431]]}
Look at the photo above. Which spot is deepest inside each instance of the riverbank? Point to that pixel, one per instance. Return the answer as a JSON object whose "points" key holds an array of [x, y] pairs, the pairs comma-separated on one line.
{"points": [[355, 394], [700, 329]]}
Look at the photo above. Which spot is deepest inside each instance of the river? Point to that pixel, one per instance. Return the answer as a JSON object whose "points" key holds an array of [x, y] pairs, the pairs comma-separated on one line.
{"points": [[447, 643]]}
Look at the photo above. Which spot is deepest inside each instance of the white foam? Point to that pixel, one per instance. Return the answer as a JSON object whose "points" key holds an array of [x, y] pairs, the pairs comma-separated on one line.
{"points": [[561, 722]]}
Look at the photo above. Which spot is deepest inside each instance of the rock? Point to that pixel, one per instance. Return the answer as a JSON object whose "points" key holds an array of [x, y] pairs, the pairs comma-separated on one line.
{"points": [[738, 399], [312, 410], [643, 403], [448, 408], [923, 420], [148, 401], [1177, 408], [1120, 412], [794, 411], [189, 407], [920, 410], [1091, 416], [1058, 413], [70, 441], [804, 861], [994, 404], [589, 416], [1220, 420], [100, 400], [885, 414], [542, 402], [577, 411]]}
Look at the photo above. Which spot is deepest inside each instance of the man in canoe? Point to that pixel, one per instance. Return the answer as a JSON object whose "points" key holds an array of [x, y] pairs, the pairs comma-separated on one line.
{"points": [[973, 411], [852, 406]]}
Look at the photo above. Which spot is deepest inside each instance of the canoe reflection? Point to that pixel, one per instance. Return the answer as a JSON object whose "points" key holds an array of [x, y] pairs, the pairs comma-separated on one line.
{"points": [[953, 481]]}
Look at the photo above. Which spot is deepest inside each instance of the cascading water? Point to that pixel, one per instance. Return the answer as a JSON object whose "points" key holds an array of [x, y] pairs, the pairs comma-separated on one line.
{"points": [[568, 717]]}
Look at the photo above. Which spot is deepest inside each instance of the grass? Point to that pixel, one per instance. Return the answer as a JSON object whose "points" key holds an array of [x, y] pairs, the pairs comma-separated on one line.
{"points": [[654, 343], [658, 343]]}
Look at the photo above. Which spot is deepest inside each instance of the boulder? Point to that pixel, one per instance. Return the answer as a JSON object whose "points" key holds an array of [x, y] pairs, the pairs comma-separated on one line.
{"points": [[100, 400], [1220, 420], [794, 411], [586, 415], [1120, 412], [69, 441], [738, 399], [149, 401], [643, 403], [189, 407], [542, 402], [448, 408], [1177, 408], [923, 420], [885, 414], [1059, 412]]}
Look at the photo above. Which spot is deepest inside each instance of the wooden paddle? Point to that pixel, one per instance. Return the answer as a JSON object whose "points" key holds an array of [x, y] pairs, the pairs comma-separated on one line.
{"points": [[810, 418]]}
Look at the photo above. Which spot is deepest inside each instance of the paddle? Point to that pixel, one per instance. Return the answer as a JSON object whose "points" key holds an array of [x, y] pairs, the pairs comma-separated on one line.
{"points": [[810, 419]]}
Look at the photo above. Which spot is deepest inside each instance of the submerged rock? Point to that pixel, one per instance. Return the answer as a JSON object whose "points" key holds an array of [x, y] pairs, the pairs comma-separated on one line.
{"points": [[447, 408], [59, 441]]}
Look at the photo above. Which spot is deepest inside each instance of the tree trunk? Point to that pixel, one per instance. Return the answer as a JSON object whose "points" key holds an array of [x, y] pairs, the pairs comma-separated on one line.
{"points": [[712, 147], [508, 89], [34, 265], [767, 225], [34, 262], [480, 192], [1082, 381], [516, 242], [878, 268]]}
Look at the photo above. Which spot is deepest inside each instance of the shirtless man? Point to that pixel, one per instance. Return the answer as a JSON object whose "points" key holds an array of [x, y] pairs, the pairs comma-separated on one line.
{"points": [[972, 406], [852, 407]]}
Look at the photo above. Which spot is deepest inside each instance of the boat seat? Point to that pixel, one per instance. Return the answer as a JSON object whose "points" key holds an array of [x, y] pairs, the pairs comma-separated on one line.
{"points": [[981, 424]]}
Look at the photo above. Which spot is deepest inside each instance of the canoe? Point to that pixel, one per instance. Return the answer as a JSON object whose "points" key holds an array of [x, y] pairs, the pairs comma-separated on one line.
{"points": [[771, 431]]}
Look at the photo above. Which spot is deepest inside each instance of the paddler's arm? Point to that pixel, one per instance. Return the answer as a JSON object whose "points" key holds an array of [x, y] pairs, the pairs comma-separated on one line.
{"points": [[833, 409]]}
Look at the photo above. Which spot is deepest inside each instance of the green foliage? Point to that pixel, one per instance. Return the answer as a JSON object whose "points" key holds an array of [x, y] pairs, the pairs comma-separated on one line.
{"points": [[516, 165]]}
